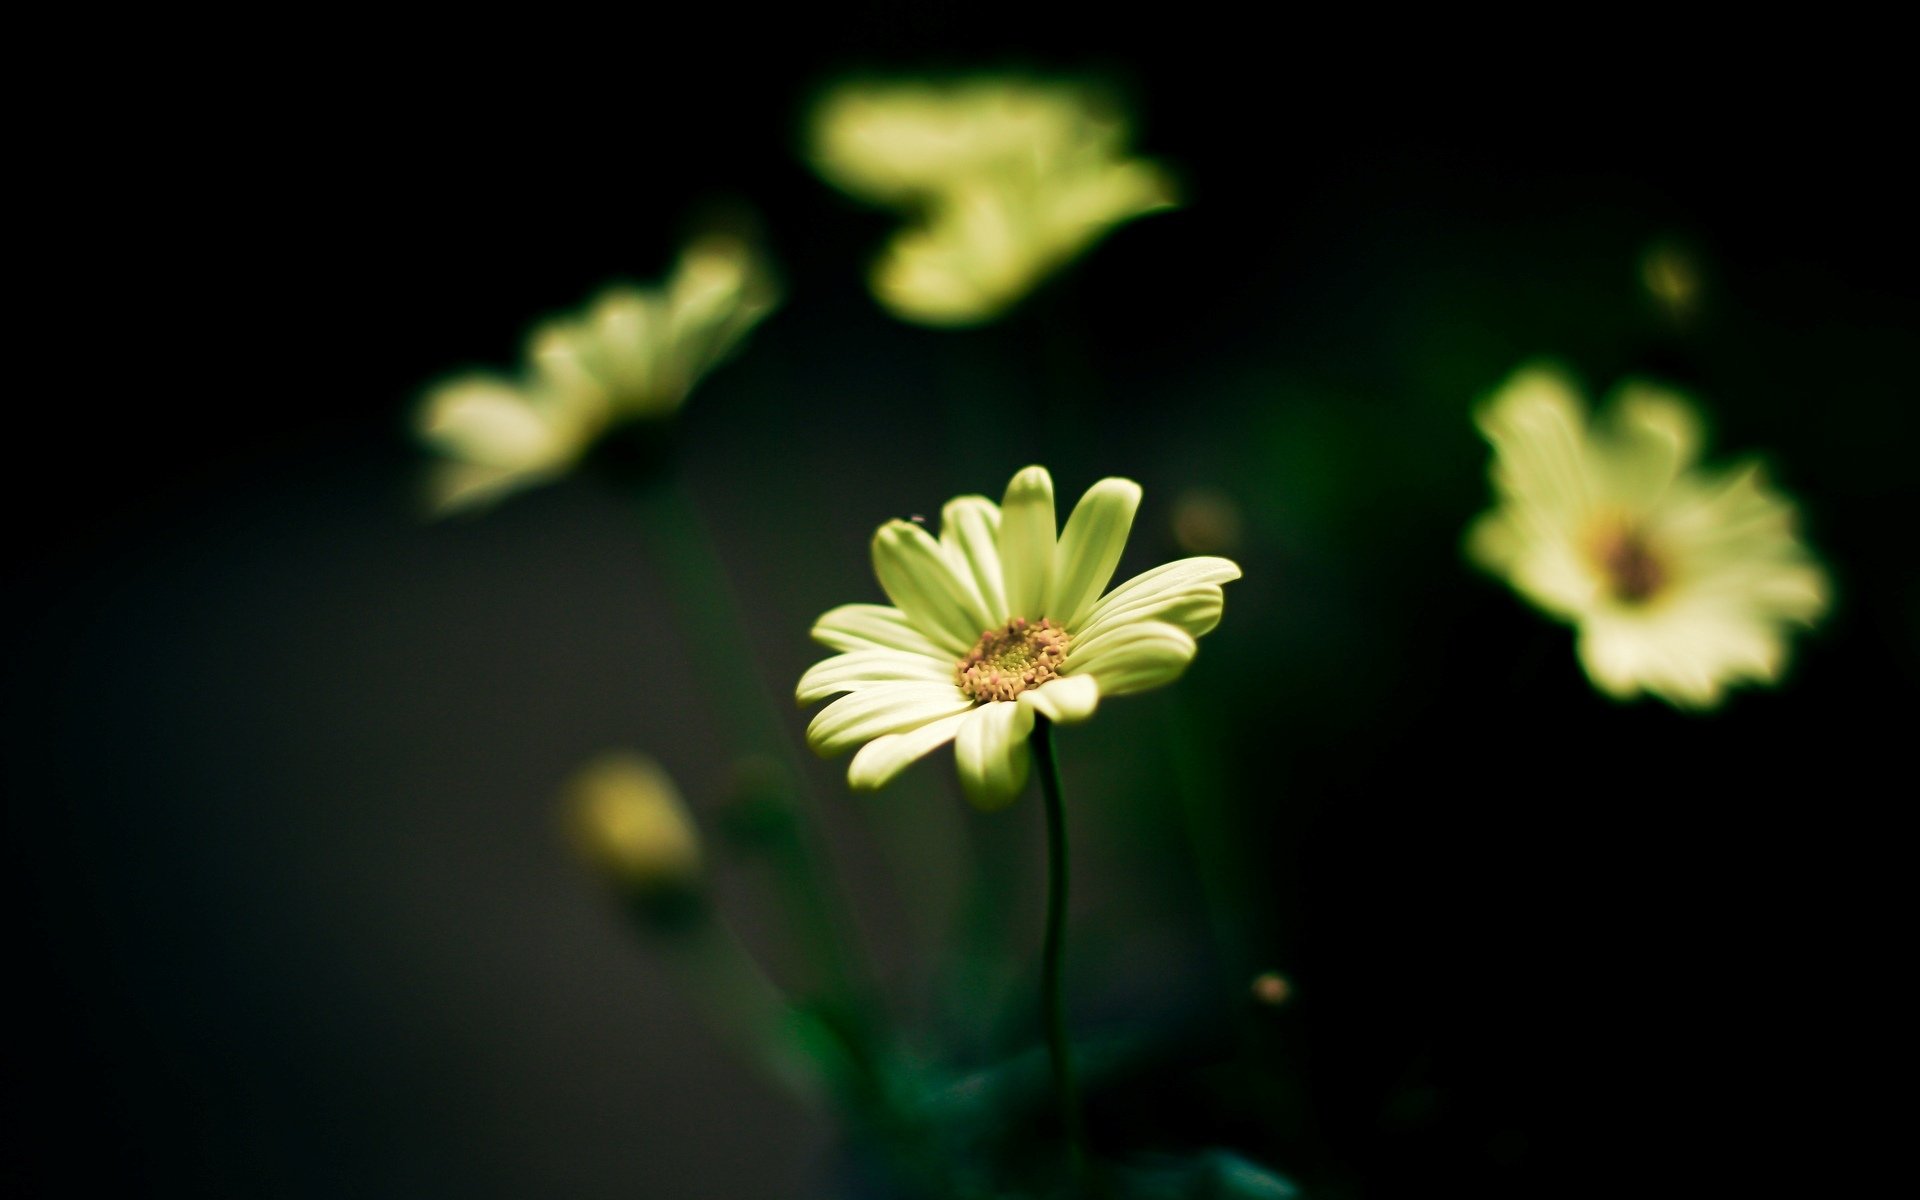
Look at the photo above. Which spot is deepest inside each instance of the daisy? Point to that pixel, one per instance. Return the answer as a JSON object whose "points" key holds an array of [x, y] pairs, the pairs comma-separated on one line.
{"points": [[1005, 179], [631, 355], [996, 623], [1681, 580]]}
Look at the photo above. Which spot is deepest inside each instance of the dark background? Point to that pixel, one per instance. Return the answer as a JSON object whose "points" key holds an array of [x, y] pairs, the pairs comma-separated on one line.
{"points": [[289, 913]]}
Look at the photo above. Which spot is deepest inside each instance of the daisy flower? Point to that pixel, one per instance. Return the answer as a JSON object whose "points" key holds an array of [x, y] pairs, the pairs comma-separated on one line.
{"points": [[633, 354], [996, 622], [1005, 179], [1682, 581]]}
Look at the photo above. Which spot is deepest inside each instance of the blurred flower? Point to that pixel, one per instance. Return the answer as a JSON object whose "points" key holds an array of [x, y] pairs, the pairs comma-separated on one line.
{"points": [[633, 354], [1206, 521], [1007, 178], [1271, 989], [1671, 276], [628, 820], [994, 622], [1679, 579]]}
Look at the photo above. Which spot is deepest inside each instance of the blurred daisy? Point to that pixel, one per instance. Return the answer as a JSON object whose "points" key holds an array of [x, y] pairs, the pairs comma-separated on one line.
{"points": [[628, 819], [1680, 580], [633, 354], [1008, 179], [998, 621]]}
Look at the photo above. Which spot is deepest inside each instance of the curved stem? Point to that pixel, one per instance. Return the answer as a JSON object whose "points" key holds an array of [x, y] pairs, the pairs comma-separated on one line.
{"points": [[711, 615], [1053, 1009]]}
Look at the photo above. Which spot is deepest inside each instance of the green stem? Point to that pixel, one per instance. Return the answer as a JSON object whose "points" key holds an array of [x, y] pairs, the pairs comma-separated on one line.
{"points": [[712, 617], [709, 612], [1053, 958], [748, 1010], [1210, 836]]}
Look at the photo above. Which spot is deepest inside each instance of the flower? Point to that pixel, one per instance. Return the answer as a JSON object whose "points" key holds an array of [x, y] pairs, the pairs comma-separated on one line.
{"points": [[632, 354], [1008, 179], [997, 622], [627, 818], [1680, 579]]}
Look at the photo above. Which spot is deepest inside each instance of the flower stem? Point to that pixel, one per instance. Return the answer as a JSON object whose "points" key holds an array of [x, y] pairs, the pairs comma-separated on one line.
{"points": [[712, 617], [749, 1011], [1053, 958]]}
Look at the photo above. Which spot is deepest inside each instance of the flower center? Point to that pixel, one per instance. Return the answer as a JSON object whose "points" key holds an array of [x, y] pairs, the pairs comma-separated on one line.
{"points": [[1634, 572], [1007, 661]]}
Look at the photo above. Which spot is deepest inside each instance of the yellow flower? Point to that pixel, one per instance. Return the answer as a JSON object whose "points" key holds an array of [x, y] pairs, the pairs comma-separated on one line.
{"points": [[628, 819], [633, 354], [1681, 580], [1009, 179], [994, 622]]}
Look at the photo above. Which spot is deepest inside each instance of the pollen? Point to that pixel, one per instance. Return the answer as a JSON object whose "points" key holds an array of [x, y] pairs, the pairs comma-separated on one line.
{"points": [[1634, 573], [1021, 654]]}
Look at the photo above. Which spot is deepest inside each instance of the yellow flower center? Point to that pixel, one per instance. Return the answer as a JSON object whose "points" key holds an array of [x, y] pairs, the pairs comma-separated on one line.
{"points": [[1634, 573], [1007, 661]]}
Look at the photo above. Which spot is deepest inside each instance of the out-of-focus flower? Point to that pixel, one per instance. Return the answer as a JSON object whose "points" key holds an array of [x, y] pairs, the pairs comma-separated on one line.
{"points": [[1007, 179], [1671, 275], [628, 820], [1271, 989], [1681, 580], [633, 354], [1206, 521], [994, 622]]}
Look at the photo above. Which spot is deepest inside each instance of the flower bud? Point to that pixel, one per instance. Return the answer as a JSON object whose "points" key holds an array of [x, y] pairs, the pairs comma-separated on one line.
{"points": [[628, 820]]}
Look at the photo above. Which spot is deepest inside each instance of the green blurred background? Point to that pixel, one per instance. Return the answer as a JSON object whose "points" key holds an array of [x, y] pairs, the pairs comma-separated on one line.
{"points": [[290, 903]]}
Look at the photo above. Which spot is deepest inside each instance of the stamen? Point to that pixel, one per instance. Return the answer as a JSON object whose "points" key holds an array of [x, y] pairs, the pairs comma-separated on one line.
{"points": [[1633, 571], [1007, 661]]}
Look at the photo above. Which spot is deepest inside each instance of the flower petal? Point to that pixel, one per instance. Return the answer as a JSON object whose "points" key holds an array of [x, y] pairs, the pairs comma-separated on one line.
{"points": [[886, 756], [854, 670], [453, 486], [1134, 657], [485, 421], [992, 754], [1177, 593], [918, 578], [493, 423], [1656, 437], [881, 708], [1090, 548], [970, 533], [871, 626], [1027, 542], [1537, 424], [1067, 701]]}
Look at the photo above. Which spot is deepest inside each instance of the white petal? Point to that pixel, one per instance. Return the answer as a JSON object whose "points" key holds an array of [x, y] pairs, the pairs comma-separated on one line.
{"points": [[1656, 436], [1175, 592], [1027, 542], [1065, 701], [1090, 548], [1538, 427], [492, 423], [1195, 609], [886, 756], [453, 486], [1494, 540], [881, 708], [970, 533], [867, 626], [854, 670], [1134, 657], [918, 578], [1687, 653], [992, 753]]}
